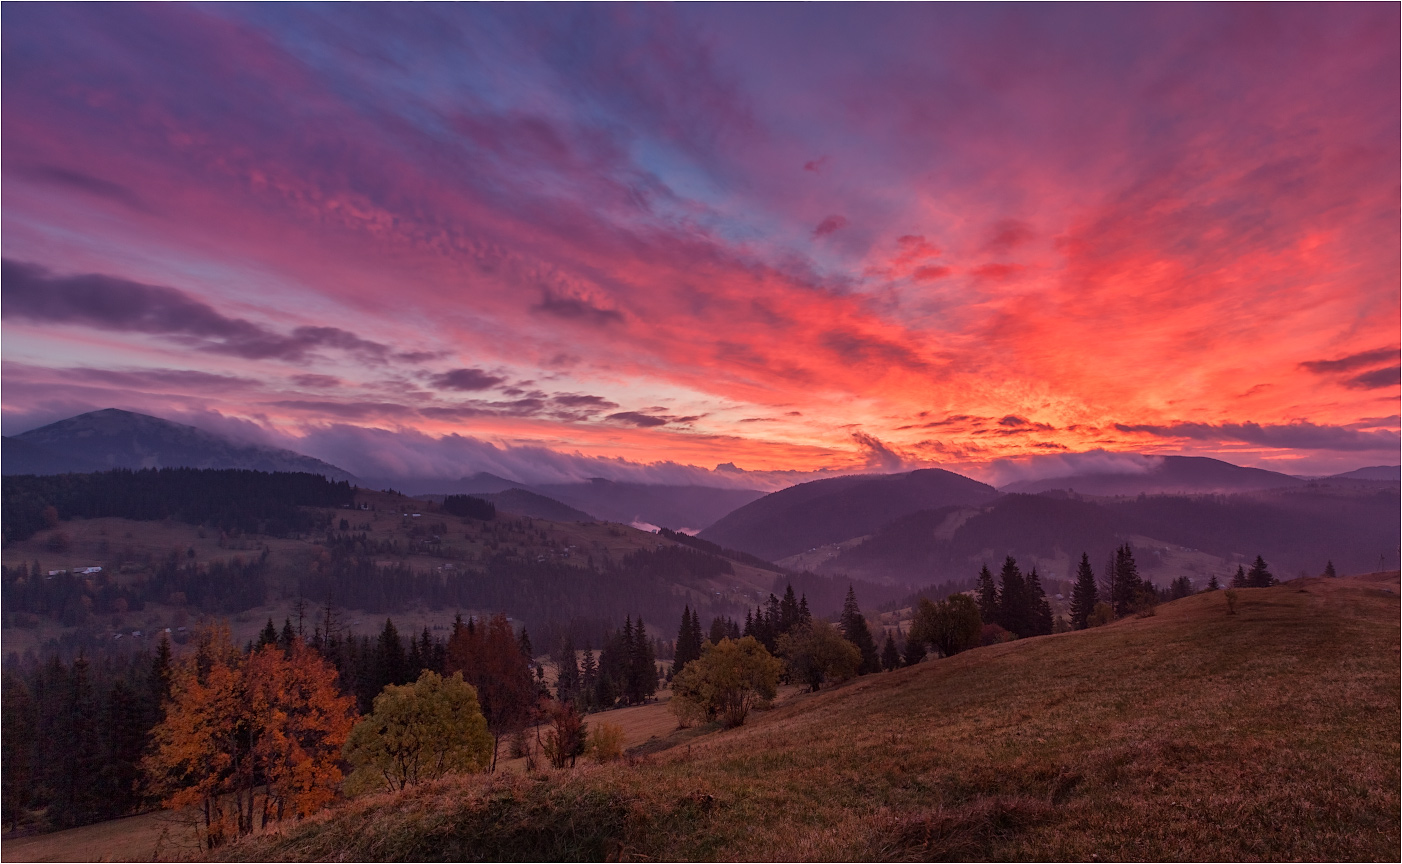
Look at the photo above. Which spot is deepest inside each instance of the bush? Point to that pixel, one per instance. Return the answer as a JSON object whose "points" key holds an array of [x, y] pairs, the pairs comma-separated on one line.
{"points": [[1231, 596], [606, 742], [992, 634], [950, 626], [1102, 614]]}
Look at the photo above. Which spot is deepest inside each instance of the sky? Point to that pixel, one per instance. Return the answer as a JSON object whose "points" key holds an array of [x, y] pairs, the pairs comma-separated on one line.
{"points": [[729, 244]]}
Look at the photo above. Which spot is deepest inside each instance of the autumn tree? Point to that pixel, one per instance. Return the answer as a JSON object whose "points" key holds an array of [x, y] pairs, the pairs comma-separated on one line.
{"points": [[260, 733], [566, 738], [727, 681], [418, 732], [490, 660], [817, 652]]}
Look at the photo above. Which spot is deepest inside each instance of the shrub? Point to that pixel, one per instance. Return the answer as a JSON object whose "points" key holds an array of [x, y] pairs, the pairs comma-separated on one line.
{"points": [[992, 634], [1231, 596], [1102, 614], [606, 742]]}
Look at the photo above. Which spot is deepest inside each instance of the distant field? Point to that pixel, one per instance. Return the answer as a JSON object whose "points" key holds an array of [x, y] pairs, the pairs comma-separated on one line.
{"points": [[1271, 734]]}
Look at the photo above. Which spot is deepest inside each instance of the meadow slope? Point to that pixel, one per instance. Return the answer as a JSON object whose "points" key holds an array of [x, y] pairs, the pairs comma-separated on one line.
{"points": [[1191, 735]]}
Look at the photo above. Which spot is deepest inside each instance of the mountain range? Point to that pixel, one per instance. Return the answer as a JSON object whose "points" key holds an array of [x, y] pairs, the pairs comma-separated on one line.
{"points": [[112, 438]]}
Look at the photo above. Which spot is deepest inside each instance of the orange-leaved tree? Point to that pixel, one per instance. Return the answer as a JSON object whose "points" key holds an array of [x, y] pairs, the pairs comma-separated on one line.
{"points": [[490, 659], [261, 732]]}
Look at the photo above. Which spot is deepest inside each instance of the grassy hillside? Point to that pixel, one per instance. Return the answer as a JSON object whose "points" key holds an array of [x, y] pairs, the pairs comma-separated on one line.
{"points": [[1269, 734]]}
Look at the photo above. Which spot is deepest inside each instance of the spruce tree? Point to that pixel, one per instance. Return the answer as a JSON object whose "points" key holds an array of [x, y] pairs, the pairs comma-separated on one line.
{"points": [[642, 667], [854, 627], [1040, 616], [987, 597], [1084, 596], [1259, 577], [688, 641], [1239, 580], [1213, 584], [914, 650], [788, 612], [1329, 570], [890, 656], [268, 636], [1125, 583], [1014, 610], [567, 680]]}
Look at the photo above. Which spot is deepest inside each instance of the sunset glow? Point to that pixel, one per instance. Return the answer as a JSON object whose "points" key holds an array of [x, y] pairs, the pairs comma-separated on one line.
{"points": [[785, 239]]}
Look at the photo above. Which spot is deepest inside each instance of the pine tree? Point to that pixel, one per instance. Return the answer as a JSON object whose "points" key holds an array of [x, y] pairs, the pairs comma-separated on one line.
{"points": [[1083, 596], [389, 658], [588, 676], [284, 639], [890, 656], [1213, 584], [988, 607], [854, 627], [1040, 609], [567, 678], [1239, 580], [642, 667], [525, 644], [1259, 577], [804, 616], [1329, 570], [1125, 582], [268, 636], [788, 611], [1014, 609], [914, 650], [688, 641]]}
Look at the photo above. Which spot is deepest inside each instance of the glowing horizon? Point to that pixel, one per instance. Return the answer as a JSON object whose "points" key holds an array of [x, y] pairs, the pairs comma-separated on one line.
{"points": [[789, 239]]}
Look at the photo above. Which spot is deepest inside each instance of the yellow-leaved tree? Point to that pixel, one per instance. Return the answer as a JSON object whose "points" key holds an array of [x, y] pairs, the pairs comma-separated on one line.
{"points": [[418, 732], [260, 732], [726, 682]]}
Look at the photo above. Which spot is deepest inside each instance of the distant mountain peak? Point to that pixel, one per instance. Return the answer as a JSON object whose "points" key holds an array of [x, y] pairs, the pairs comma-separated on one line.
{"points": [[114, 438]]}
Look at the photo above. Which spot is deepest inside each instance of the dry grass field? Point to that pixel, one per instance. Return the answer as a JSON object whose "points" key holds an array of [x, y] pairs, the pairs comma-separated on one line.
{"points": [[1271, 734]]}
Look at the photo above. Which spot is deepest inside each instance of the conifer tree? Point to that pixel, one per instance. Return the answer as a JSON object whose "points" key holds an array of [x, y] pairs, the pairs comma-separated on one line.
{"points": [[642, 667], [268, 636], [588, 676], [1083, 596], [890, 655], [284, 639], [688, 641], [854, 627], [1239, 580], [1014, 609], [788, 611], [1329, 570], [1041, 615], [568, 679], [1259, 577], [914, 650], [1125, 582], [987, 596], [804, 616], [1213, 584]]}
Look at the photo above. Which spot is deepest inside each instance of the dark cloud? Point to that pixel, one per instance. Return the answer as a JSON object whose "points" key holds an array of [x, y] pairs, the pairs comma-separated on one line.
{"points": [[576, 309], [816, 165], [320, 381], [639, 419], [1008, 234], [86, 183], [347, 410], [1378, 378], [997, 272], [418, 356], [930, 273], [878, 455], [1299, 435], [1351, 362], [859, 348], [578, 400], [466, 379], [1015, 423], [829, 225], [103, 302]]}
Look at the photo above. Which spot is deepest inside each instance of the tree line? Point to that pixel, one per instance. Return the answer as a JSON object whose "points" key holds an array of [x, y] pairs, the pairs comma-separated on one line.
{"points": [[255, 502]]}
